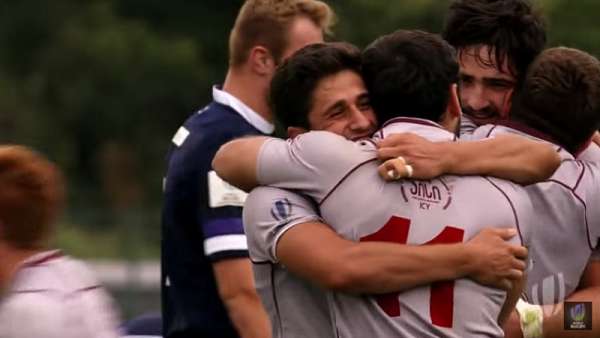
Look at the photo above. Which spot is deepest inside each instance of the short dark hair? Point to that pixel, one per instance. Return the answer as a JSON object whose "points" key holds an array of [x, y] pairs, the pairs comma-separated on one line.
{"points": [[560, 96], [409, 73], [296, 78], [513, 29]]}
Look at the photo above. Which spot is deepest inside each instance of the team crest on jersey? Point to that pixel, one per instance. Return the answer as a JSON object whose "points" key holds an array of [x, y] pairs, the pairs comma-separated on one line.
{"points": [[281, 209], [428, 194]]}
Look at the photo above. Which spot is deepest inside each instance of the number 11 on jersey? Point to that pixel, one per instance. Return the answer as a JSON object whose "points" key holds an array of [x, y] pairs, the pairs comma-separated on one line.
{"points": [[441, 306]]}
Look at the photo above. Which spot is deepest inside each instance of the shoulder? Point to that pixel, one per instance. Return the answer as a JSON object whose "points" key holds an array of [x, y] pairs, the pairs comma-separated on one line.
{"points": [[268, 214], [211, 127]]}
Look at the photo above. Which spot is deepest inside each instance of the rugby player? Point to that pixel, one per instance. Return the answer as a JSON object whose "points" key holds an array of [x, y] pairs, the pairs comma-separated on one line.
{"points": [[566, 232], [43, 292], [207, 284], [497, 41], [286, 239], [417, 69]]}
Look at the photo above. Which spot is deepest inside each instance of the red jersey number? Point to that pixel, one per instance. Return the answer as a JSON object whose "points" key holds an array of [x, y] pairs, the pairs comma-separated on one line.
{"points": [[441, 304]]}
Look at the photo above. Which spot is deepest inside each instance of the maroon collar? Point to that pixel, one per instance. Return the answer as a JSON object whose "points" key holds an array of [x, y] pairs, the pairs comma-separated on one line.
{"points": [[42, 258], [413, 120], [527, 130]]}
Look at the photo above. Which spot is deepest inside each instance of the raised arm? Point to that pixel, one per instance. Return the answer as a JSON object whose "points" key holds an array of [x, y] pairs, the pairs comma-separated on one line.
{"points": [[507, 156], [236, 161]]}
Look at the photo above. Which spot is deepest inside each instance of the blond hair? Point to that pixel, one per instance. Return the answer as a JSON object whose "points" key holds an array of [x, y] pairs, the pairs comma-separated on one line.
{"points": [[31, 197], [266, 23]]}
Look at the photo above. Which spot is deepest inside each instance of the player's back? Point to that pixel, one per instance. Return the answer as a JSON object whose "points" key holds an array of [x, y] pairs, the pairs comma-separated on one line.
{"points": [[567, 223], [446, 210], [56, 296], [566, 230]]}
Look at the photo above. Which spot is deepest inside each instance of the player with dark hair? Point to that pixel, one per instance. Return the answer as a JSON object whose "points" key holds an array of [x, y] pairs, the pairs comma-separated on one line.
{"points": [[341, 177], [43, 293], [558, 102], [207, 284], [496, 41], [280, 224]]}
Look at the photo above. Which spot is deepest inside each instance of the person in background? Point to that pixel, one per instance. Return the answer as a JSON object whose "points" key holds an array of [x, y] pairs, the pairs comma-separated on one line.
{"points": [[43, 292], [207, 284]]}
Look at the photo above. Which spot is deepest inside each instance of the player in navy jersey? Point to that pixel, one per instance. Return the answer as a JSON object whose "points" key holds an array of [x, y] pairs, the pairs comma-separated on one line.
{"points": [[207, 286]]}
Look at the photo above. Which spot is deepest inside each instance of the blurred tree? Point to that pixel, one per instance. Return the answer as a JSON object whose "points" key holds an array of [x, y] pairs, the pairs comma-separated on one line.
{"points": [[101, 85]]}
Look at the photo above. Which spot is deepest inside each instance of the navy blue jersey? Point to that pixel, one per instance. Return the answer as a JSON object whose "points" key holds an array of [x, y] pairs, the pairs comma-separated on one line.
{"points": [[201, 223]]}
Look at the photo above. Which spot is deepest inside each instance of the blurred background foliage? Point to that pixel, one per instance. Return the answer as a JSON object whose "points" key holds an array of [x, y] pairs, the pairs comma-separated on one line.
{"points": [[100, 86]]}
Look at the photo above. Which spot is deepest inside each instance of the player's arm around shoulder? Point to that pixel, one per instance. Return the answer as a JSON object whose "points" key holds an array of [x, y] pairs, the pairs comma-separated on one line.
{"points": [[506, 156], [236, 161], [235, 283], [249, 162]]}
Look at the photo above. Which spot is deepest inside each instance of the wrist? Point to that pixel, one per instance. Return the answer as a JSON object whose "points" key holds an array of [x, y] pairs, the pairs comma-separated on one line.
{"points": [[449, 158], [467, 260]]}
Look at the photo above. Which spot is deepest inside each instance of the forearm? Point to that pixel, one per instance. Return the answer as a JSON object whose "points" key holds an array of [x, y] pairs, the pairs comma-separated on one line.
{"points": [[554, 325], [247, 314], [236, 162], [383, 267], [235, 283], [509, 157]]}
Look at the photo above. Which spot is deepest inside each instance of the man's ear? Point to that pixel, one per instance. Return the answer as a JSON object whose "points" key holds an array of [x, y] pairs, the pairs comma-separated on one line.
{"points": [[292, 132], [261, 61], [453, 109]]}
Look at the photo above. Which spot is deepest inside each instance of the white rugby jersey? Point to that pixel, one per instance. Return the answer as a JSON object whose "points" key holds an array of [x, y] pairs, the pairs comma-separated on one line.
{"points": [[53, 295], [341, 176], [296, 307], [566, 228]]}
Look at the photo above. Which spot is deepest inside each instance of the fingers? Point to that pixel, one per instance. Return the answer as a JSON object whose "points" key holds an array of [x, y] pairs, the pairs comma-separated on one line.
{"points": [[515, 274], [395, 169], [505, 233], [505, 284], [519, 251], [519, 264], [386, 153]]}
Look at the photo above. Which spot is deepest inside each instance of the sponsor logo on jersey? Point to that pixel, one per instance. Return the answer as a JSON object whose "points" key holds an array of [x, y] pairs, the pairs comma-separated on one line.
{"points": [[428, 194], [282, 209]]}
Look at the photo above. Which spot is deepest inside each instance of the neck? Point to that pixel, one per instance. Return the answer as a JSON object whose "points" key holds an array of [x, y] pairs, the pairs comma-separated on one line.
{"points": [[10, 260], [249, 89]]}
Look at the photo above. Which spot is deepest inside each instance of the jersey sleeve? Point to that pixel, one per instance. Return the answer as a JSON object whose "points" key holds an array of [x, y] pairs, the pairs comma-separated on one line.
{"points": [[312, 163], [268, 214]]}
